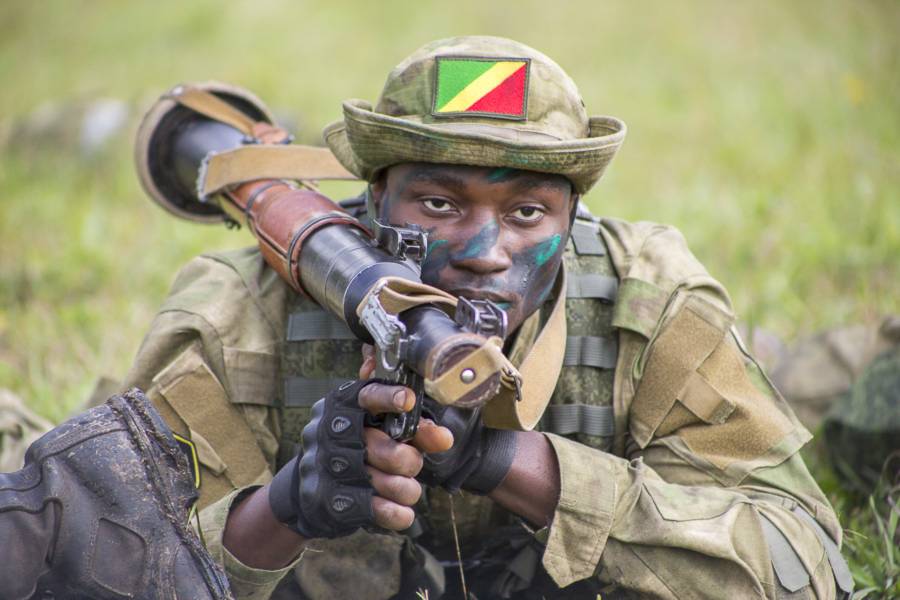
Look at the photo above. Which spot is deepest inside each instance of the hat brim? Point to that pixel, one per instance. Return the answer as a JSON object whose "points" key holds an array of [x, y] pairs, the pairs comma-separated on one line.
{"points": [[366, 142]]}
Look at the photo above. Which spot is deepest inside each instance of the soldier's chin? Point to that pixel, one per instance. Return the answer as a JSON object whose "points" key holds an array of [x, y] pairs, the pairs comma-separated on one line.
{"points": [[514, 317]]}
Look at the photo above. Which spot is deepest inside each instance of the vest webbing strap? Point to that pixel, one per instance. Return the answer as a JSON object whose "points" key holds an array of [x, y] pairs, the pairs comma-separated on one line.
{"points": [[586, 241], [540, 370], [564, 419], [590, 285], [787, 565], [839, 568], [303, 391], [590, 351], [316, 325]]}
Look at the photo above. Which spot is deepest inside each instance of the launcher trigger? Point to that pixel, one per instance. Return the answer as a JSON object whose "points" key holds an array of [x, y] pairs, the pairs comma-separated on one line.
{"points": [[403, 426]]}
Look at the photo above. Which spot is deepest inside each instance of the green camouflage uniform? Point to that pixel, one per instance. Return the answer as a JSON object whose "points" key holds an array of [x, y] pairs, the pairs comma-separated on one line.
{"points": [[699, 491]]}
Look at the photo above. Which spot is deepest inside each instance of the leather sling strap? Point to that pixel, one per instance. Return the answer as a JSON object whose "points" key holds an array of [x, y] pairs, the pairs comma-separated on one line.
{"points": [[267, 161], [397, 295], [210, 105], [223, 170], [540, 371]]}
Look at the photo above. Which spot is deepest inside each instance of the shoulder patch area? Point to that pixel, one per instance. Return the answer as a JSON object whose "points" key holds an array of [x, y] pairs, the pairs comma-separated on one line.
{"points": [[230, 290], [653, 263]]}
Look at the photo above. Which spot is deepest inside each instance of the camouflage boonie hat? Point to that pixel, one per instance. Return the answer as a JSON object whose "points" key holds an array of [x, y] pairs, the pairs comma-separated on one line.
{"points": [[482, 101]]}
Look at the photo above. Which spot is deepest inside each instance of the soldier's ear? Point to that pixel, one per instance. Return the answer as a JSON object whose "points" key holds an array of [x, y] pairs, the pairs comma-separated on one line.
{"points": [[374, 194], [377, 189], [574, 199]]}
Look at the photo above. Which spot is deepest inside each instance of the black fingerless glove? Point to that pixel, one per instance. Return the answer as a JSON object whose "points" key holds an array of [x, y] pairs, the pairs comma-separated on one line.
{"points": [[480, 457], [325, 491]]}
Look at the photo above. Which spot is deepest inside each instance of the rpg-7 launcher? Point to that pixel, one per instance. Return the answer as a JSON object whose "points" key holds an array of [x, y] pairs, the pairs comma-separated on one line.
{"points": [[211, 153]]}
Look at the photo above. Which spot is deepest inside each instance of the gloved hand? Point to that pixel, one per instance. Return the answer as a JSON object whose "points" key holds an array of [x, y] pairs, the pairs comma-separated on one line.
{"points": [[348, 475], [325, 491], [480, 457]]}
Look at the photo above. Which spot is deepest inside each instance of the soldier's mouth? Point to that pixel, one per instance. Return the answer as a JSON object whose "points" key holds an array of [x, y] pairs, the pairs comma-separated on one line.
{"points": [[503, 301]]}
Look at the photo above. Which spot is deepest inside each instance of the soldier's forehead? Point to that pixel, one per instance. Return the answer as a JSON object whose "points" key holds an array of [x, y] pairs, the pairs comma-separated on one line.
{"points": [[462, 175]]}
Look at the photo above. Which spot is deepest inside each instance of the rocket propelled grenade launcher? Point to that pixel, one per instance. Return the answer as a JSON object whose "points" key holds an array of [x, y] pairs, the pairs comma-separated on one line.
{"points": [[211, 153]]}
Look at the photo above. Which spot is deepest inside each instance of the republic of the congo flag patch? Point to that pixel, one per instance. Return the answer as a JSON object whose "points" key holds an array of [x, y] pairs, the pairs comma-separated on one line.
{"points": [[489, 87]]}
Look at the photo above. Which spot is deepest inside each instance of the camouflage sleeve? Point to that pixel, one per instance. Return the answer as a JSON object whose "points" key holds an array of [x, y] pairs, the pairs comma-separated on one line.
{"points": [[246, 582], [618, 520], [711, 498], [208, 365]]}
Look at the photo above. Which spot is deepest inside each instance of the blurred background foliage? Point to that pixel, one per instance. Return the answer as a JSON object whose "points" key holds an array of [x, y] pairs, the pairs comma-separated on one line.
{"points": [[768, 132]]}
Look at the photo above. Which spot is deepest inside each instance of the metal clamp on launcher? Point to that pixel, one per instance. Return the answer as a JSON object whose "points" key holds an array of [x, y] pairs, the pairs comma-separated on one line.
{"points": [[211, 152]]}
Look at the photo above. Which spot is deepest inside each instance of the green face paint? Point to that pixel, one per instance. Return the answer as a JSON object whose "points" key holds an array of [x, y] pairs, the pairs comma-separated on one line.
{"points": [[546, 249], [502, 174], [519, 289], [433, 245], [483, 241]]}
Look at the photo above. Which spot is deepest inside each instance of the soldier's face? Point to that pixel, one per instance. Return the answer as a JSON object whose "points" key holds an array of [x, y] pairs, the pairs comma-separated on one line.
{"points": [[494, 234]]}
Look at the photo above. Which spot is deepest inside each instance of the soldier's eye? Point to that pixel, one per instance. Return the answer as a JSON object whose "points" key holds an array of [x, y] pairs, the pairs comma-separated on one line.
{"points": [[529, 214], [438, 205]]}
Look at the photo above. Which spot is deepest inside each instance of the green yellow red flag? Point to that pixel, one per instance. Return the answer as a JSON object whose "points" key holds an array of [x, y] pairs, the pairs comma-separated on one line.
{"points": [[495, 87]]}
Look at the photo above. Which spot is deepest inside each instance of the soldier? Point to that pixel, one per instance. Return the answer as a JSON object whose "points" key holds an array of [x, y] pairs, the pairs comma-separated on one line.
{"points": [[666, 465]]}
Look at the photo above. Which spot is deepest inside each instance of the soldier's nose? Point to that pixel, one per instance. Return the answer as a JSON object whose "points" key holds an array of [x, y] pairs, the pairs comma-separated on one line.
{"points": [[492, 259]]}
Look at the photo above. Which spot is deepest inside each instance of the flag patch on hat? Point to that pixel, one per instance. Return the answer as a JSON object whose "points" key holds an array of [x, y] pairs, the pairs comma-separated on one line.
{"points": [[490, 87]]}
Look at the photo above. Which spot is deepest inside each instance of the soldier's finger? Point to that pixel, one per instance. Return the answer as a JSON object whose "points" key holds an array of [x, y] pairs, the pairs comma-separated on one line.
{"points": [[391, 515], [391, 456], [432, 437], [380, 398], [402, 490], [368, 365]]}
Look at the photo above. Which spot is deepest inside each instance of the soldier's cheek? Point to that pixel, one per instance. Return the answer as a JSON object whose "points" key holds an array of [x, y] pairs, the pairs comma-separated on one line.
{"points": [[536, 268], [436, 260], [530, 279]]}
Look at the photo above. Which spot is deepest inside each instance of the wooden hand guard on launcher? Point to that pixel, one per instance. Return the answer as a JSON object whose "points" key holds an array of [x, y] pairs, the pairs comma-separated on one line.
{"points": [[211, 153]]}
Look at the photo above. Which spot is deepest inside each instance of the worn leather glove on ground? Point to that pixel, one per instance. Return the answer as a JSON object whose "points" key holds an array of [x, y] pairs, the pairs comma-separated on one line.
{"points": [[325, 492], [100, 510], [480, 457]]}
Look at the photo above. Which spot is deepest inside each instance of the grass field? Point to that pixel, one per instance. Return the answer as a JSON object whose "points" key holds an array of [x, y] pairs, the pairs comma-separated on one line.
{"points": [[768, 132]]}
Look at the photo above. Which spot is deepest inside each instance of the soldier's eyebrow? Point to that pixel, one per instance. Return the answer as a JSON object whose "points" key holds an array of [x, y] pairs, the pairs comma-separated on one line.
{"points": [[436, 176], [502, 174], [525, 180], [530, 181]]}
